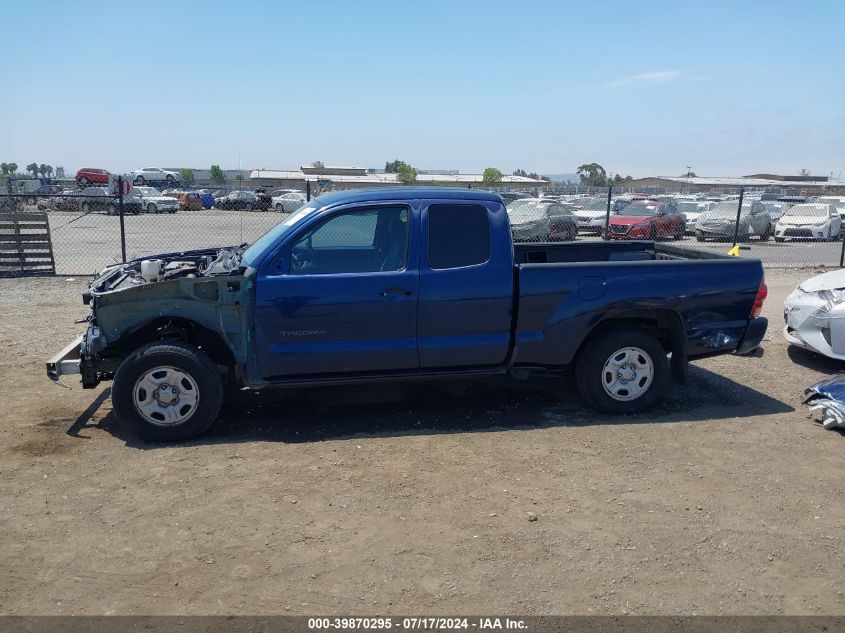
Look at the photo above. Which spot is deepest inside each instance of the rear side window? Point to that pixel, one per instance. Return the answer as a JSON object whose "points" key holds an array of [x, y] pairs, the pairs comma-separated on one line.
{"points": [[458, 235]]}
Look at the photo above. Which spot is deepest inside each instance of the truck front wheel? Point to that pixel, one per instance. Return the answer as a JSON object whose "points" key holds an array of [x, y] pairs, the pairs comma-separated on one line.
{"points": [[623, 370], [167, 391]]}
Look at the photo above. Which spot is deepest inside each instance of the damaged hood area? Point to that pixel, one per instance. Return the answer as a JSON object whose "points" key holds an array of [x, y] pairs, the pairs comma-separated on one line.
{"points": [[834, 280], [158, 268]]}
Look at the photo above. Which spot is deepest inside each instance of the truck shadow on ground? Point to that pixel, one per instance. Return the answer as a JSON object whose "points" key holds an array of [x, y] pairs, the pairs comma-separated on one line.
{"points": [[480, 405]]}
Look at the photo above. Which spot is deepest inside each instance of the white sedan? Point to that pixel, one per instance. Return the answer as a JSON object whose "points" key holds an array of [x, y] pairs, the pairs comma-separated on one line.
{"points": [[288, 202], [153, 174], [809, 222]]}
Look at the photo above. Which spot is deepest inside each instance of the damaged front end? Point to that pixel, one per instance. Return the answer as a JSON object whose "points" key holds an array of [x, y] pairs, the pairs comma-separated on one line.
{"points": [[828, 399], [194, 294], [814, 315]]}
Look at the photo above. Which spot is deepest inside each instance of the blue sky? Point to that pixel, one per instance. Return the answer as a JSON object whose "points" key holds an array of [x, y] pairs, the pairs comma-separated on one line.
{"points": [[643, 88]]}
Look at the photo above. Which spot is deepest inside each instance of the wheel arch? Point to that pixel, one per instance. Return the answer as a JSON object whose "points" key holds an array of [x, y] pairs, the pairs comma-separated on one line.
{"points": [[170, 328], [664, 324]]}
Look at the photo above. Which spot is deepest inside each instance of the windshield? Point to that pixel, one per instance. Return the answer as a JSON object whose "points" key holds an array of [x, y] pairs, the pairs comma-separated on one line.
{"points": [[725, 210], [690, 207], [639, 209], [146, 191], [275, 234], [595, 204], [807, 211], [526, 211]]}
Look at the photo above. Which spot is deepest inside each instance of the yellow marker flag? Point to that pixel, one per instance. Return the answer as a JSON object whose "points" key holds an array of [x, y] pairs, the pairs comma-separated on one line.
{"points": [[734, 251]]}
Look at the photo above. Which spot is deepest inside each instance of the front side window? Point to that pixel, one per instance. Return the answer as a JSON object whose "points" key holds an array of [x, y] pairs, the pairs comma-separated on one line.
{"points": [[458, 235], [365, 241]]}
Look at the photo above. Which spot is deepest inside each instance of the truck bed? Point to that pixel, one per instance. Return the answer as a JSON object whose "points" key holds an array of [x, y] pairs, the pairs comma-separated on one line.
{"points": [[604, 251], [565, 290]]}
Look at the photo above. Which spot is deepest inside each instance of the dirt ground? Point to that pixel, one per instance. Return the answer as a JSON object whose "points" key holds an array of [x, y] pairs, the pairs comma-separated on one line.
{"points": [[417, 498]]}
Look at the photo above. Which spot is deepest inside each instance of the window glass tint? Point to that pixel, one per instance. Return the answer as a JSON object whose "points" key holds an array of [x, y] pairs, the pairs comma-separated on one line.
{"points": [[352, 229], [458, 235], [374, 240]]}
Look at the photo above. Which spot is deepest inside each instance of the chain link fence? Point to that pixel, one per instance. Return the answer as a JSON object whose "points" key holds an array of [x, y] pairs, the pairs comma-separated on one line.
{"points": [[84, 230]]}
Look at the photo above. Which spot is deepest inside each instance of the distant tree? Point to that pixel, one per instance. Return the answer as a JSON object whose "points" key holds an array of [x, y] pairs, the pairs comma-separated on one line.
{"points": [[318, 164], [4, 167], [628, 179], [406, 174], [521, 172], [186, 176], [592, 175], [49, 170], [240, 177], [216, 175], [393, 166], [42, 169], [13, 168], [688, 174], [33, 169], [491, 176]]}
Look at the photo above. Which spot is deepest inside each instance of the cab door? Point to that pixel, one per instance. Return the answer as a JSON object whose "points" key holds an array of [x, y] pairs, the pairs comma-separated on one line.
{"points": [[343, 298], [466, 284]]}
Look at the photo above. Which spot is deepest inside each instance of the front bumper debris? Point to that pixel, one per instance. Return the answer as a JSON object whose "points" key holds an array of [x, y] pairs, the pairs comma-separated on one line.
{"points": [[66, 362], [828, 398]]}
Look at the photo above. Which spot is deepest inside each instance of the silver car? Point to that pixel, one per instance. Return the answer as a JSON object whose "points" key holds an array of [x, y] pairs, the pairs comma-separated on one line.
{"points": [[719, 223], [154, 201], [530, 221]]}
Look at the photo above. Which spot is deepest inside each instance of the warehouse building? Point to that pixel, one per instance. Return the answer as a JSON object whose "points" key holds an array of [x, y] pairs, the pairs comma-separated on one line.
{"points": [[797, 185], [326, 177]]}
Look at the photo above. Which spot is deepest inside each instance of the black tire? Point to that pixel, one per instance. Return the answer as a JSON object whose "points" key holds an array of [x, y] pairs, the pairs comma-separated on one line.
{"points": [[140, 180], [111, 210], [152, 208], [699, 237], [652, 234], [602, 346], [779, 239], [280, 208], [86, 208], [168, 178], [83, 182], [184, 358]]}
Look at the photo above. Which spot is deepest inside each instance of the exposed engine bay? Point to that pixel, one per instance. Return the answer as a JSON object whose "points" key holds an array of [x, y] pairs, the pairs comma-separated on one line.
{"points": [[189, 264]]}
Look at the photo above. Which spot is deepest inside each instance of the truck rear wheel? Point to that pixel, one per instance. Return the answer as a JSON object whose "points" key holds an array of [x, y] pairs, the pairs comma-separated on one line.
{"points": [[167, 391], [624, 370]]}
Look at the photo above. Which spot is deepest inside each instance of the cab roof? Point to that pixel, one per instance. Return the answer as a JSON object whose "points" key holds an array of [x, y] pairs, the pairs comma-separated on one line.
{"points": [[404, 193]]}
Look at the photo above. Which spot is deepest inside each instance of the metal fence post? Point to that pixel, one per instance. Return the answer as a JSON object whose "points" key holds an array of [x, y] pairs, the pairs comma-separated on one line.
{"points": [[842, 255], [607, 213], [307, 191], [738, 213], [122, 225]]}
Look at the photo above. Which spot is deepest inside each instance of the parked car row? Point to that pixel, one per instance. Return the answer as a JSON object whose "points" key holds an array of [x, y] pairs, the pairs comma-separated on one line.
{"points": [[92, 176], [637, 216]]}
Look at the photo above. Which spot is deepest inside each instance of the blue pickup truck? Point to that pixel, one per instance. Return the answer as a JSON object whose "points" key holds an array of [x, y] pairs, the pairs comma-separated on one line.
{"points": [[404, 283]]}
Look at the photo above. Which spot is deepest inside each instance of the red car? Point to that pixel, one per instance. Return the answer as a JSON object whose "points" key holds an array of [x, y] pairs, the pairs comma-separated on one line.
{"points": [[92, 176], [648, 220]]}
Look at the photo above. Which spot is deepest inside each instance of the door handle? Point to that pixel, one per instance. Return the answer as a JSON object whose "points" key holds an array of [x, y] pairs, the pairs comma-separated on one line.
{"points": [[396, 291]]}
